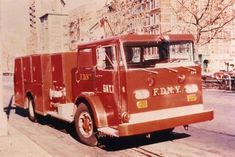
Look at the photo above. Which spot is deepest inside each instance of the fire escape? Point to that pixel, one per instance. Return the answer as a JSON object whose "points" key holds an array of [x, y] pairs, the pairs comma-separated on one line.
{"points": [[33, 27]]}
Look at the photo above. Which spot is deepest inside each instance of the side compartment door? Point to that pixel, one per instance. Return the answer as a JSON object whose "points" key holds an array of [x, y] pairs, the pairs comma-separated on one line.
{"points": [[57, 77], [57, 70], [37, 83], [107, 81], [27, 74], [18, 83], [27, 77]]}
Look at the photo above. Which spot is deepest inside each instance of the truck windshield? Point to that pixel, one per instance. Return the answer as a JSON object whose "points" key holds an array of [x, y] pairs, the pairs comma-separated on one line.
{"points": [[146, 55]]}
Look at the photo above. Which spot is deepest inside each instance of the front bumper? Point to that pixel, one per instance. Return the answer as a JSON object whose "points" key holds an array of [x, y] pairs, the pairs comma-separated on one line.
{"points": [[146, 122], [161, 124]]}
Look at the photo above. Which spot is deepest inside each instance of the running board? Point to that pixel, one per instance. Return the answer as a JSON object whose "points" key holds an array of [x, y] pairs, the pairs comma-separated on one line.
{"points": [[109, 131], [56, 115], [64, 112]]}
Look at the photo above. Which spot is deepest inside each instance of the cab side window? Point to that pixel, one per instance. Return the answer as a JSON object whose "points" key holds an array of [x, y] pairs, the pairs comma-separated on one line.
{"points": [[106, 57], [85, 58]]}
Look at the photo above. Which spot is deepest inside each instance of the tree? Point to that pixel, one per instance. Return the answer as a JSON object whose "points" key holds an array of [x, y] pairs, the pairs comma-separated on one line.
{"points": [[205, 19]]}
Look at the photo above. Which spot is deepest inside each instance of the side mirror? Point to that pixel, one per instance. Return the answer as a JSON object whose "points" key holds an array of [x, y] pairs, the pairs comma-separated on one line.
{"points": [[101, 65]]}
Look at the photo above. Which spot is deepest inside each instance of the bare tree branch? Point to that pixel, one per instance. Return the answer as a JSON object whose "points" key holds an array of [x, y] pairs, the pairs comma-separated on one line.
{"points": [[215, 33], [204, 11], [188, 10], [208, 19], [221, 11], [220, 26]]}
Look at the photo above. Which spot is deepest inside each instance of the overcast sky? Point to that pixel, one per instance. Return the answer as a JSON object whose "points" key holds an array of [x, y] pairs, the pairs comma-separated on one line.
{"points": [[15, 14], [72, 4], [15, 20]]}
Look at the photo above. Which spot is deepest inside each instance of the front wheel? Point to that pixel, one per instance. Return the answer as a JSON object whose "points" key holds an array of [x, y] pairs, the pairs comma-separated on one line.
{"points": [[84, 125]]}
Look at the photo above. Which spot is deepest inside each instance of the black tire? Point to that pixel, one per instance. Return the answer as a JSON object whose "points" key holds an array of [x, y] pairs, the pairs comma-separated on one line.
{"points": [[31, 110], [84, 125]]}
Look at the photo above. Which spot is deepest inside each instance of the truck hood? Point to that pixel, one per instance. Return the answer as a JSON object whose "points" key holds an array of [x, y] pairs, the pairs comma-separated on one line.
{"points": [[161, 88]]}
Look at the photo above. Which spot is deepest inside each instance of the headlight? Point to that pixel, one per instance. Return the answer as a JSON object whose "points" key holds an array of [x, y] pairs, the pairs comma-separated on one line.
{"points": [[141, 94], [191, 88]]}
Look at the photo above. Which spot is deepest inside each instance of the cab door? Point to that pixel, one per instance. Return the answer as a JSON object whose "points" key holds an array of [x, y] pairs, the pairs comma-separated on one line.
{"points": [[107, 81]]}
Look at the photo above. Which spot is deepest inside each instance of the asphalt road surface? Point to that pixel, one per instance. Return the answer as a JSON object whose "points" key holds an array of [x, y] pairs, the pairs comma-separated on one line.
{"points": [[208, 139]]}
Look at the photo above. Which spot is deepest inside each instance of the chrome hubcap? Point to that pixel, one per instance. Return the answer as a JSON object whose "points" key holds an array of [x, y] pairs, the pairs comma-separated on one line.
{"points": [[85, 124]]}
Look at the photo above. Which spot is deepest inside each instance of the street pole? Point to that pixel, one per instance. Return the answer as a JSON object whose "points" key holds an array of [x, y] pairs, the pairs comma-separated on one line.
{"points": [[3, 117]]}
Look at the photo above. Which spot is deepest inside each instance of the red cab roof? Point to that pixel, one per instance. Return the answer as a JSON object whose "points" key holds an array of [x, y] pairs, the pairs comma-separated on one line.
{"points": [[139, 38]]}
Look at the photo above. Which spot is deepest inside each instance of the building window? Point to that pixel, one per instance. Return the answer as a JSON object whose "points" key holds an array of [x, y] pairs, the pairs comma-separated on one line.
{"points": [[152, 19], [157, 19], [157, 4], [152, 4]]}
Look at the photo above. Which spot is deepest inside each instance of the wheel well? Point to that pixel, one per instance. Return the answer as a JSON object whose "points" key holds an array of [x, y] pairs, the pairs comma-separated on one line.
{"points": [[83, 100], [96, 109], [29, 95]]}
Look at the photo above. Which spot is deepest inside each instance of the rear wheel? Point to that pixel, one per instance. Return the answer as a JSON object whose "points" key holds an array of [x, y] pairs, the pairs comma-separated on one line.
{"points": [[31, 110], [84, 125]]}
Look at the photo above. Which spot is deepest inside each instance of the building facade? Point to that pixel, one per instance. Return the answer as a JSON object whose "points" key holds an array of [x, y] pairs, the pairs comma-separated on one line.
{"points": [[215, 54], [43, 16], [110, 18], [54, 33], [84, 23], [154, 17]]}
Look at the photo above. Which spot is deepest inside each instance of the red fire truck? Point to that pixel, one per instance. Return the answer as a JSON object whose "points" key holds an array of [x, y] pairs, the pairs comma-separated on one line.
{"points": [[120, 86]]}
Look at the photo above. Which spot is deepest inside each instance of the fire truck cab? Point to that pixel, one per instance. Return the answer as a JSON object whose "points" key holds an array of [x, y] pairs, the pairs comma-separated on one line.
{"points": [[120, 86]]}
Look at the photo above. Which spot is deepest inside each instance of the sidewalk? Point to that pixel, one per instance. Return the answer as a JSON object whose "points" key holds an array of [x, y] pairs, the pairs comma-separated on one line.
{"points": [[15, 144]]}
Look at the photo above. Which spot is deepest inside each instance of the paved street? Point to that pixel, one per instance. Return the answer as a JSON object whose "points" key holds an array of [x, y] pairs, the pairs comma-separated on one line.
{"points": [[209, 139]]}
